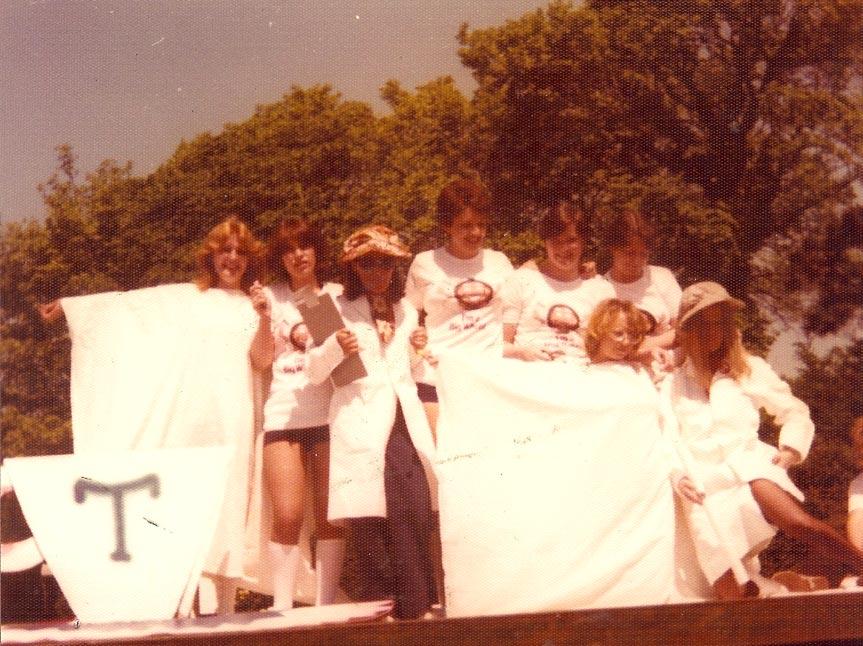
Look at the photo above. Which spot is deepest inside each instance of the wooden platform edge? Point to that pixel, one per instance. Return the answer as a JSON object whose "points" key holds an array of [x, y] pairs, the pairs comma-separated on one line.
{"points": [[804, 619]]}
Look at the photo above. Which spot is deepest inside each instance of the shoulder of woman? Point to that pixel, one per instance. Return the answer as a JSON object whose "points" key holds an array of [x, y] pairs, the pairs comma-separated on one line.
{"points": [[659, 274], [601, 283], [497, 257], [278, 291], [760, 368]]}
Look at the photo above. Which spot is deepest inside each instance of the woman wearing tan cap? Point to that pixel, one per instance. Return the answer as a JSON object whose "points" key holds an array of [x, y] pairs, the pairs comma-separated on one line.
{"points": [[741, 492], [380, 442]]}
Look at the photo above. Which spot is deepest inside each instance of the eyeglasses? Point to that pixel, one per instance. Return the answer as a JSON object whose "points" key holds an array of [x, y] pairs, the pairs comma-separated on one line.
{"points": [[379, 262]]}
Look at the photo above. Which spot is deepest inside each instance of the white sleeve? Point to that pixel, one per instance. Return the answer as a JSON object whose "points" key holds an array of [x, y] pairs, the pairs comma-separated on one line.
{"points": [[414, 288], [322, 359], [768, 391]]}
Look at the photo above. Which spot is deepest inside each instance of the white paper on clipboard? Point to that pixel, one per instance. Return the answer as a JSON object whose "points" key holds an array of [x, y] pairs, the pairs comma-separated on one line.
{"points": [[322, 318]]}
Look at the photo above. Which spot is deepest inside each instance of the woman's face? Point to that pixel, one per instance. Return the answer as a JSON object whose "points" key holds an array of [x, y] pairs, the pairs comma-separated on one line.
{"points": [[710, 324], [619, 342], [629, 260], [563, 251], [230, 263], [300, 262], [466, 234], [375, 272]]}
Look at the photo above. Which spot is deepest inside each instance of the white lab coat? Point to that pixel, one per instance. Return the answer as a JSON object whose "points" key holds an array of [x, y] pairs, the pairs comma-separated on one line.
{"points": [[362, 413], [718, 434]]}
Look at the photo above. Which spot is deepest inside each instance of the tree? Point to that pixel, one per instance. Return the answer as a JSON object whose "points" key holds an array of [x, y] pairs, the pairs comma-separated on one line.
{"points": [[752, 104]]}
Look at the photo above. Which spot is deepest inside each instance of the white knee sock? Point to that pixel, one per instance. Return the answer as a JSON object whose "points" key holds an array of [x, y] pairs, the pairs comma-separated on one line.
{"points": [[329, 556], [285, 560]]}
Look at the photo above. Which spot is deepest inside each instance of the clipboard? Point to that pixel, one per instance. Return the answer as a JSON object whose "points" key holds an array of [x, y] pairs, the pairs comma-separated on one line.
{"points": [[322, 318]]}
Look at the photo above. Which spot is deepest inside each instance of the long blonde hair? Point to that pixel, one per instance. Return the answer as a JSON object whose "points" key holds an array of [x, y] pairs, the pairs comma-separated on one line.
{"points": [[215, 240], [730, 357]]}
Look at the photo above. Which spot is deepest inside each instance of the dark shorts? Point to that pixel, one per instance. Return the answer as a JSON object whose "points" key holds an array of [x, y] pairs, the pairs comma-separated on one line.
{"points": [[308, 437], [427, 393]]}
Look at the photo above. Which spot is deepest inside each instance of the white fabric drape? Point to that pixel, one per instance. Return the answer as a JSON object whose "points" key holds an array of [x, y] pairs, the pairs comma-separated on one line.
{"points": [[553, 487]]}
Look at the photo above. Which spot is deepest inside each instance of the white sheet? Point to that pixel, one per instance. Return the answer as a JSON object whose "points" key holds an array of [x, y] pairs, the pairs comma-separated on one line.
{"points": [[554, 490], [129, 557], [168, 367]]}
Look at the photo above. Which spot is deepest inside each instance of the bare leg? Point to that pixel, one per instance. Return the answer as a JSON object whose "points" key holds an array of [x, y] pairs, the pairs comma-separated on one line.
{"points": [[285, 482], [318, 462], [781, 509]]}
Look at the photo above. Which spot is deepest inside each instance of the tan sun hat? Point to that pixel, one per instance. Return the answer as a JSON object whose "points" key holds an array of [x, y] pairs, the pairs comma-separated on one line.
{"points": [[374, 238], [700, 295]]}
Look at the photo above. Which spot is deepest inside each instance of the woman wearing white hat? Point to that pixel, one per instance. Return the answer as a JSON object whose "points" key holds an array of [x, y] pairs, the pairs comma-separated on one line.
{"points": [[380, 441], [742, 492]]}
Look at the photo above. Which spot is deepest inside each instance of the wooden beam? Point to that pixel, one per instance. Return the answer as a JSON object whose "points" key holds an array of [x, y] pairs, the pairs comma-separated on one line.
{"points": [[802, 619]]}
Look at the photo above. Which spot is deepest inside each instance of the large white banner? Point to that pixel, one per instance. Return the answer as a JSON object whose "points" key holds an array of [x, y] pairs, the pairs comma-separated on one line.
{"points": [[125, 533], [553, 487]]}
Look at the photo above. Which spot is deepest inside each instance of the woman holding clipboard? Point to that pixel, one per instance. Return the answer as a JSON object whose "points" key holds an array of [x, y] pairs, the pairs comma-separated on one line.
{"points": [[381, 444]]}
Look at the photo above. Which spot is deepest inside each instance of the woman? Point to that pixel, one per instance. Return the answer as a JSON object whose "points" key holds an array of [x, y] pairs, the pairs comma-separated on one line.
{"points": [[457, 286], [296, 437], [191, 349], [652, 289], [545, 309], [711, 408], [381, 444]]}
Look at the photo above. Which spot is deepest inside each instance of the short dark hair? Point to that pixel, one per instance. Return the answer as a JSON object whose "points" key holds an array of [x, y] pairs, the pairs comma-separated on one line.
{"points": [[459, 195], [622, 226], [293, 233], [554, 220]]}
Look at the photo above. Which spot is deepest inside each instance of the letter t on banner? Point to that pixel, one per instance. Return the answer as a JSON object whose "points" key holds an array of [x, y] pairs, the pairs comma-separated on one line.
{"points": [[123, 531]]}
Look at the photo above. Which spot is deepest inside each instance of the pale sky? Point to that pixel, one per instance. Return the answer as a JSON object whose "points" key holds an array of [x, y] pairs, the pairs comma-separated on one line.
{"points": [[126, 80]]}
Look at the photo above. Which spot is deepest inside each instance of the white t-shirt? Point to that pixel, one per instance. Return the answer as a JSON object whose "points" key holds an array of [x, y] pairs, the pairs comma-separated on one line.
{"points": [[657, 292], [855, 494], [293, 402], [550, 314], [461, 300]]}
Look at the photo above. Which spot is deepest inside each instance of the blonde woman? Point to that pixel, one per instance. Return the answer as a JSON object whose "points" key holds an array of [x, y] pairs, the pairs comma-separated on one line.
{"points": [[711, 407], [191, 350]]}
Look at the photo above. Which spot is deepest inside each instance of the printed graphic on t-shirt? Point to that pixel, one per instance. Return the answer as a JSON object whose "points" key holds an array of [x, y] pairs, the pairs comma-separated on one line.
{"points": [[563, 321], [473, 294], [295, 337], [562, 318]]}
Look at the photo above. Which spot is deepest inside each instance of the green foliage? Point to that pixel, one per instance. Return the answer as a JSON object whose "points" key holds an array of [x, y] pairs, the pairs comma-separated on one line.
{"points": [[746, 112], [832, 386]]}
